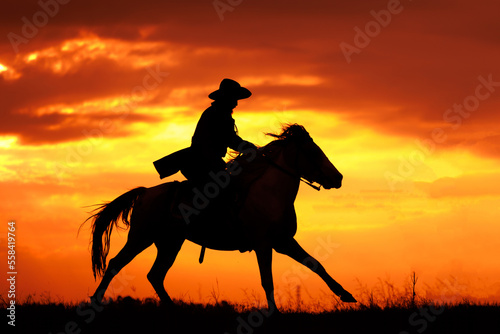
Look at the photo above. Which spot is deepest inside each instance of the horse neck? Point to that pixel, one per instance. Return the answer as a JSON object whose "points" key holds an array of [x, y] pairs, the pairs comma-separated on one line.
{"points": [[281, 184]]}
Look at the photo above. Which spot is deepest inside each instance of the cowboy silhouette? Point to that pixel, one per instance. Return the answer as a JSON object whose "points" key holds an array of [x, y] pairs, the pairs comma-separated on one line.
{"points": [[215, 132]]}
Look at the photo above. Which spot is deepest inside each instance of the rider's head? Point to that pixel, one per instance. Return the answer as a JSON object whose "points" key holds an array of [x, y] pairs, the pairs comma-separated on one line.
{"points": [[227, 103], [229, 93]]}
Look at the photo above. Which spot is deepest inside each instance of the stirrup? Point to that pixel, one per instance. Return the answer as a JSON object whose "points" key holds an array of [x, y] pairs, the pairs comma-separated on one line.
{"points": [[202, 254]]}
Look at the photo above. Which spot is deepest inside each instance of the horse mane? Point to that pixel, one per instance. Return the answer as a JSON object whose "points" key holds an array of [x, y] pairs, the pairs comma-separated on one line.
{"points": [[253, 165], [290, 132]]}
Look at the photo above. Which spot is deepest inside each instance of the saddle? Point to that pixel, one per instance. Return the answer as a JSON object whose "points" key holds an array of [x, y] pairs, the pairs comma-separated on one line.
{"points": [[208, 213], [215, 204], [193, 203], [225, 190]]}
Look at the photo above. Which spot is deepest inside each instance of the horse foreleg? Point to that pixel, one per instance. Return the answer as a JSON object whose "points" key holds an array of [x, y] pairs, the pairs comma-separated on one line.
{"points": [[265, 258], [126, 254], [292, 248]]}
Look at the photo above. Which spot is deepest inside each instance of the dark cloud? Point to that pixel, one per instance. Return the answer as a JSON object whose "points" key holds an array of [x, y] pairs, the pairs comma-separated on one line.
{"points": [[92, 80], [428, 58], [57, 127]]}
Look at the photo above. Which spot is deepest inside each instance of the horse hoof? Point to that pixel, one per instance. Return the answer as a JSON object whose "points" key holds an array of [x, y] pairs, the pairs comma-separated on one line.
{"points": [[346, 297]]}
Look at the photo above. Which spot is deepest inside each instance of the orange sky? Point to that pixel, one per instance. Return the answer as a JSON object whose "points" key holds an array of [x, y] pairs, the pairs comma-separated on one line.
{"points": [[402, 97]]}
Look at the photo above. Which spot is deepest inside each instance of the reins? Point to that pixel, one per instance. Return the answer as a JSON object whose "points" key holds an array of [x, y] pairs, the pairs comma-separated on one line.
{"points": [[318, 188], [286, 171]]}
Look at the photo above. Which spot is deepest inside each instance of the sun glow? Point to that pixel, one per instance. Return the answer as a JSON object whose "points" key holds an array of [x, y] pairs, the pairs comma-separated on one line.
{"points": [[7, 141], [9, 73], [71, 54], [82, 120]]}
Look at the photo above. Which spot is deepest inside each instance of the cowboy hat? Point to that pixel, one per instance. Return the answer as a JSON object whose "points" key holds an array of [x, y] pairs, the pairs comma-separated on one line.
{"points": [[230, 89]]}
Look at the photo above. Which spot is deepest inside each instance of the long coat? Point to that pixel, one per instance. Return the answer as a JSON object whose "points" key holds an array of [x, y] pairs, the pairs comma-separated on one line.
{"points": [[214, 133]]}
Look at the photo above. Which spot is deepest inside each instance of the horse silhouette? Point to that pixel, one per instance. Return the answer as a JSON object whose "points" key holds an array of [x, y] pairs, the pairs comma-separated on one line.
{"points": [[262, 220]]}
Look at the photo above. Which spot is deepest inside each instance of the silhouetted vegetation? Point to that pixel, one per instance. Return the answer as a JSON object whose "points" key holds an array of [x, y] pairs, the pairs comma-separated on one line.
{"points": [[129, 315]]}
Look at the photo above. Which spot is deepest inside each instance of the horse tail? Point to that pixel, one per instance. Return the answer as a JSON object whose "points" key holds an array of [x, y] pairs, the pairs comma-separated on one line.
{"points": [[108, 215]]}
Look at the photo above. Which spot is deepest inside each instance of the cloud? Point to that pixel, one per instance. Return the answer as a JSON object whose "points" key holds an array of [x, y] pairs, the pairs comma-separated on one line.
{"points": [[401, 83], [57, 127], [476, 185], [64, 90], [82, 67]]}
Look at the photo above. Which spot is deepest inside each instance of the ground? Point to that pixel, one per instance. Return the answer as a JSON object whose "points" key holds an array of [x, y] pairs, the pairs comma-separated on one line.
{"points": [[128, 315]]}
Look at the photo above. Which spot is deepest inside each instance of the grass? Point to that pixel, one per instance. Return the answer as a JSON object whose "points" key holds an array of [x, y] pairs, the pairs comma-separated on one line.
{"points": [[373, 314], [383, 308]]}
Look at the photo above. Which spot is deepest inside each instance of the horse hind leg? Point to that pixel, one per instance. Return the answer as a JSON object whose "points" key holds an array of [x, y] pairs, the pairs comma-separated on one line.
{"points": [[132, 248], [167, 252]]}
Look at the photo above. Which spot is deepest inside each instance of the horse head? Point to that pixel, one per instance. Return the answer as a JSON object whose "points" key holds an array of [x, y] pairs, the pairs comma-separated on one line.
{"points": [[307, 158], [315, 166]]}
